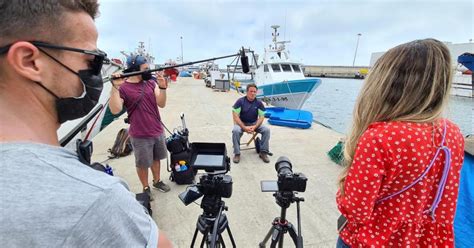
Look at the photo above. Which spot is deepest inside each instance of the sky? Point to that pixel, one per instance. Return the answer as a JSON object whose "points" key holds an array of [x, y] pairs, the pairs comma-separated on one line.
{"points": [[321, 32]]}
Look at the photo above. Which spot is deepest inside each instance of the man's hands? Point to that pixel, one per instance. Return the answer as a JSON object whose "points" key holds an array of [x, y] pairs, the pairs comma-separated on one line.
{"points": [[117, 82], [162, 83], [249, 129]]}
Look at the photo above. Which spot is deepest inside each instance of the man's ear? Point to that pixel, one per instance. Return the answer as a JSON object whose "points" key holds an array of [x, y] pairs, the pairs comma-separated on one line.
{"points": [[25, 60]]}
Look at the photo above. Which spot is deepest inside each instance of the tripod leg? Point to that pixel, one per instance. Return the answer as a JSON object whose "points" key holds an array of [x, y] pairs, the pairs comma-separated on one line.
{"points": [[221, 240], [194, 237], [231, 237], [277, 237], [204, 239], [262, 244], [292, 231]]}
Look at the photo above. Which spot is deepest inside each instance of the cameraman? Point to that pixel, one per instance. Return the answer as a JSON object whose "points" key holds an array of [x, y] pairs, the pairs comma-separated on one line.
{"points": [[248, 115], [49, 198], [142, 95]]}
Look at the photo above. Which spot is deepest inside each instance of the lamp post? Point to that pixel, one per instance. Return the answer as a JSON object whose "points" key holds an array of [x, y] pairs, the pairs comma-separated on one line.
{"points": [[182, 58], [357, 45]]}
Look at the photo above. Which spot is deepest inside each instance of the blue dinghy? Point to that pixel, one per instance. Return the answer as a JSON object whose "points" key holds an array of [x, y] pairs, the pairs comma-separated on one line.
{"points": [[289, 117]]}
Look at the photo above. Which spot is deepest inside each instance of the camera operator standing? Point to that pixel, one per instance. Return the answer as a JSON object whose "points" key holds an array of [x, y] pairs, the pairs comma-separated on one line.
{"points": [[142, 95], [50, 72]]}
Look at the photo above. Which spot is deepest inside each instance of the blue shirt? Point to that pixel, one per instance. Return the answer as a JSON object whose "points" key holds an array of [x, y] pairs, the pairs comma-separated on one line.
{"points": [[249, 111]]}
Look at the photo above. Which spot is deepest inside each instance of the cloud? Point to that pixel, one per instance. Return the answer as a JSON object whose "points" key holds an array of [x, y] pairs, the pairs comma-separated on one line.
{"points": [[321, 32]]}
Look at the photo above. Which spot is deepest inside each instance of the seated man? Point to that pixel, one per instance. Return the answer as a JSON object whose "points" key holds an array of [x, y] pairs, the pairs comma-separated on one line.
{"points": [[248, 114]]}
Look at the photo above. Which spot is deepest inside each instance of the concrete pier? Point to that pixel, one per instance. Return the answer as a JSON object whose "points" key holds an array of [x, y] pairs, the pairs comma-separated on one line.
{"points": [[251, 212]]}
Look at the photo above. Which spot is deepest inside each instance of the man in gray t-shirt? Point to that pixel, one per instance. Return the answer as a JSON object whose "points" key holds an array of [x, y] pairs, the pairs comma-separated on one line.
{"points": [[50, 72], [50, 199]]}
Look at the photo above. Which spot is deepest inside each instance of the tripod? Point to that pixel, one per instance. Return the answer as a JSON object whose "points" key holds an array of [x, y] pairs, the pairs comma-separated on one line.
{"points": [[280, 225], [212, 223]]}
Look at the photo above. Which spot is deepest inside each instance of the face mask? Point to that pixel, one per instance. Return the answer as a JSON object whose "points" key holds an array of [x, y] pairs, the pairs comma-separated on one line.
{"points": [[146, 75], [71, 108]]}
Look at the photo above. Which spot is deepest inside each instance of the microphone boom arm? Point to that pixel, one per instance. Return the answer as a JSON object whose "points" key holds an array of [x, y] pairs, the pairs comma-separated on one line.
{"points": [[172, 66]]}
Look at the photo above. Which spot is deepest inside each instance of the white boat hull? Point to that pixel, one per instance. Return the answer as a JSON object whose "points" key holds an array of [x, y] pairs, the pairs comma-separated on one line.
{"points": [[290, 101]]}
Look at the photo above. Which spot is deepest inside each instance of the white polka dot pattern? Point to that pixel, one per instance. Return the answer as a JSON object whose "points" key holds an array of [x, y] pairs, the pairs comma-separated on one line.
{"points": [[390, 156]]}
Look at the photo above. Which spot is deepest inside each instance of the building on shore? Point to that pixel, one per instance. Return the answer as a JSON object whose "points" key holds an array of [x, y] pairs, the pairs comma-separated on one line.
{"points": [[463, 83]]}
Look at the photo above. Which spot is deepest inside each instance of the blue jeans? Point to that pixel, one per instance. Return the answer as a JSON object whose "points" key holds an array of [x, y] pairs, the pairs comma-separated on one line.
{"points": [[340, 243], [237, 134]]}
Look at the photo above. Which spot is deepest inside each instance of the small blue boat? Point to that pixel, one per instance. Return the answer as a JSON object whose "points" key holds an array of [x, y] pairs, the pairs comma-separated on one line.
{"points": [[467, 59], [289, 117], [184, 74]]}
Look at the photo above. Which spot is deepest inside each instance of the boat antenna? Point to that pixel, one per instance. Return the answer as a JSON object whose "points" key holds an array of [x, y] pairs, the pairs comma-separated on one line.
{"points": [[284, 34]]}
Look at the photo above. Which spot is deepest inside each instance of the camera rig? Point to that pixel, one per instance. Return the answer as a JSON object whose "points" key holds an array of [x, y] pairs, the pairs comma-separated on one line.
{"points": [[286, 188]]}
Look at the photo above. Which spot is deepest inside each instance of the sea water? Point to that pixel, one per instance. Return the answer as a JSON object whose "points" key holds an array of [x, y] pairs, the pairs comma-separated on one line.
{"points": [[333, 102]]}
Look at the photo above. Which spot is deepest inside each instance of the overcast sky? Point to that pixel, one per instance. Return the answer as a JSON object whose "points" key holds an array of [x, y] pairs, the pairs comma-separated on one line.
{"points": [[321, 32]]}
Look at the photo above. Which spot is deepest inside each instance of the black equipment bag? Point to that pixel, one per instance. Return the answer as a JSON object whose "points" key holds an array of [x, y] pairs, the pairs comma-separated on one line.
{"points": [[182, 176], [176, 143]]}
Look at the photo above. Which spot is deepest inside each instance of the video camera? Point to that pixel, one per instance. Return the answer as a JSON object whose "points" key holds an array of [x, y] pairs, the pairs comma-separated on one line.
{"points": [[210, 157], [285, 194], [287, 180]]}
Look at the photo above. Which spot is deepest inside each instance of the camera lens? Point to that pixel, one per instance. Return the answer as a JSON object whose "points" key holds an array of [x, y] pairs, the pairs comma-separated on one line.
{"points": [[283, 166]]}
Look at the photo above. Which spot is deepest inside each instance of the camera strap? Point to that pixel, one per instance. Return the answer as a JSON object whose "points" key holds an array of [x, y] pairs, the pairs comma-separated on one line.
{"points": [[137, 103]]}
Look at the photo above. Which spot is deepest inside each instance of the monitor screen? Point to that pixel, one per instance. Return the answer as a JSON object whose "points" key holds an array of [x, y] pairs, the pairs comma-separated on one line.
{"points": [[207, 160]]}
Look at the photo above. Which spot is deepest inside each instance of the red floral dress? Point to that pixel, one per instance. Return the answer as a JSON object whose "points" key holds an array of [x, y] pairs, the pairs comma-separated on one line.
{"points": [[389, 157]]}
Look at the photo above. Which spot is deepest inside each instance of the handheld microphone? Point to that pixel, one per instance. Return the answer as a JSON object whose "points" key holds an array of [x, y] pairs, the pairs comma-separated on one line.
{"points": [[245, 61]]}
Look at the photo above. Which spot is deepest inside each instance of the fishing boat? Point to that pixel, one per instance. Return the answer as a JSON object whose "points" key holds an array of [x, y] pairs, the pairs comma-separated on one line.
{"points": [[280, 79], [463, 79]]}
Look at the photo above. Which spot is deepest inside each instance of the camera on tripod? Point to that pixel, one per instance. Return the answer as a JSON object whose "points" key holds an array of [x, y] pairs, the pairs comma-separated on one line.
{"points": [[286, 188], [212, 158], [213, 185], [287, 180]]}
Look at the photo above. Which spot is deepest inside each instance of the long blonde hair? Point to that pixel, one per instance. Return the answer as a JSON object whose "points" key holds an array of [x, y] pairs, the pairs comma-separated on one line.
{"points": [[410, 82]]}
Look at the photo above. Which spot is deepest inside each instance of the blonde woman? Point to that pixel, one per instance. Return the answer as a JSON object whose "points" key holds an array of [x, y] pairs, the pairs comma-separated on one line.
{"points": [[399, 187]]}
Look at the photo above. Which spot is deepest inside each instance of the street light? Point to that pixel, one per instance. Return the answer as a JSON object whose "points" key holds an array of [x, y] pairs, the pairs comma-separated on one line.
{"points": [[357, 45], [182, 58]]}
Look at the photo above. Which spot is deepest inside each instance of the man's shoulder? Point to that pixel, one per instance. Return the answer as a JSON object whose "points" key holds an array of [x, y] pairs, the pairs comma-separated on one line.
{"points": [[58, 187], [239, 101], [56, 163]]}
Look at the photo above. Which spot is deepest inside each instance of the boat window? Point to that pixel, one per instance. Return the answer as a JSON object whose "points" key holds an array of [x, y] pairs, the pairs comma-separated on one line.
{"points": [[265, 68], [276, 68], [286, 67], [296, 68]]}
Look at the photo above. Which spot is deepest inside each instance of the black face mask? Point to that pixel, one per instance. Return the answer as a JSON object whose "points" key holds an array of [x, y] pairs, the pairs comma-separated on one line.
{"points": [[71, 108], [146, 75]]}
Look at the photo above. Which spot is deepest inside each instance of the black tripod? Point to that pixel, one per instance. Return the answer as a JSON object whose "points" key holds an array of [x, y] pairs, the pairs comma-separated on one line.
{"points": [[212, 223], [280, 225]]}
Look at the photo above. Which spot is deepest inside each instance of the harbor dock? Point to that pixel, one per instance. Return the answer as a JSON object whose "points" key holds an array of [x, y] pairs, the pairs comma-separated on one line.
{"points": [[250, 212]]}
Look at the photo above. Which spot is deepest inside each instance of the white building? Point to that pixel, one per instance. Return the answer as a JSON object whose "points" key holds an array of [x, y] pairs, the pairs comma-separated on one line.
{"points": [[454, 49]]}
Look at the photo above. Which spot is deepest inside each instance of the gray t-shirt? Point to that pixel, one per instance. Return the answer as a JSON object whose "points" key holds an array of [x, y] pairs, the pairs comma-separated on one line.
{"points": [[49, 199]]}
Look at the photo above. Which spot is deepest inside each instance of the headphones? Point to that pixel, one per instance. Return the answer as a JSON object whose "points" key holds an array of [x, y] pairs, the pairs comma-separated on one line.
{"points": [[133, 67], [134, 61]]}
